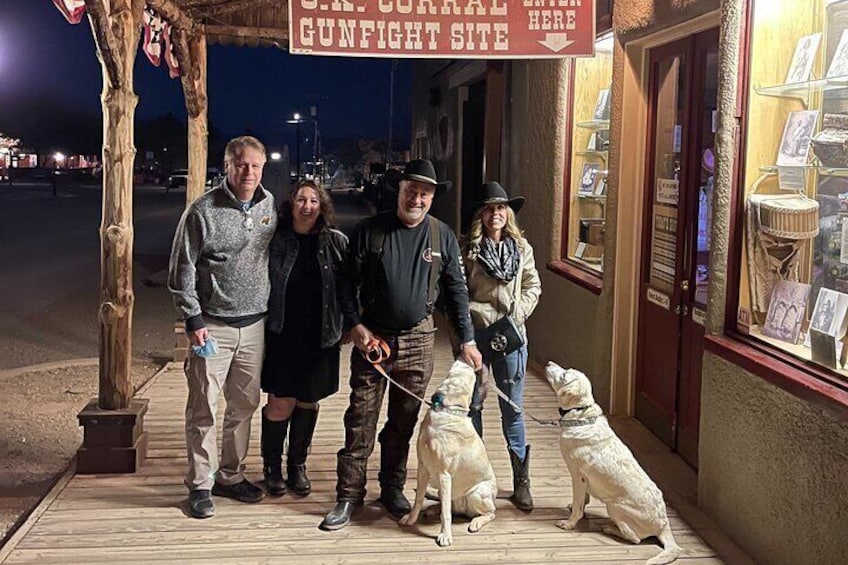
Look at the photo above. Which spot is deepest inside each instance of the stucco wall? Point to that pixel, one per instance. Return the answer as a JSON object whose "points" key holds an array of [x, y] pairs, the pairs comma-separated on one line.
{"points": [[636, 18], [773, 469], [570, 324]]}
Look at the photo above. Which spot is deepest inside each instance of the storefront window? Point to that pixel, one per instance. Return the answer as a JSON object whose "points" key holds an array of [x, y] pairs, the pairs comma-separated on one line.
{"points": [[794, 274], [586, 181]]}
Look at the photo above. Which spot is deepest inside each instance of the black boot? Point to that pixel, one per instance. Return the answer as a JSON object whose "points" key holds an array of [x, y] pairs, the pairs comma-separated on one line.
{"points": [[303, 422], [521, 497], [273, 437]]}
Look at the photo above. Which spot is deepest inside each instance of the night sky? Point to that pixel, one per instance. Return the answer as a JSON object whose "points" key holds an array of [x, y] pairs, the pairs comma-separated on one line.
{"points": [[48, 66]]}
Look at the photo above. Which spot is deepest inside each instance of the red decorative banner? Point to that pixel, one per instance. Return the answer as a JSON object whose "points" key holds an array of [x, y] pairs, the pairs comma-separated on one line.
{"points": [[444, 29], [153, 28], [71, 9]]}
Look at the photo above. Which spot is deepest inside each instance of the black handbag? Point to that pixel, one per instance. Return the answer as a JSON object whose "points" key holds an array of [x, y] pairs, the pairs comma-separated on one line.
{"points": [[499, 339]]}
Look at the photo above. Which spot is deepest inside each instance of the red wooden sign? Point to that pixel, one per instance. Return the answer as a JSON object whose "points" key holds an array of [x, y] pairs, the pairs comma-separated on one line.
{"points": [[443, 29]]}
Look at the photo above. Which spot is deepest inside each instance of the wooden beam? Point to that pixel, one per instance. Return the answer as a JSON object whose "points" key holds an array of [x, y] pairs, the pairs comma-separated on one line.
{"points": [[191, 54], [273, 33], [222, 7], [172, 13], [98, 19], [116, 25]]}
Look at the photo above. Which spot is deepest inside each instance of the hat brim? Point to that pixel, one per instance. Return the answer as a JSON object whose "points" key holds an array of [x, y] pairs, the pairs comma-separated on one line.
{"points": [[514, 203], [441, 187]]}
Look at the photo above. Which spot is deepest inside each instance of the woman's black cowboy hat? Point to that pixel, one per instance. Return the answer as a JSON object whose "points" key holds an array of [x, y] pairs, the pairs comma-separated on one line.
{"points": [[422, 170], [493, 193]]}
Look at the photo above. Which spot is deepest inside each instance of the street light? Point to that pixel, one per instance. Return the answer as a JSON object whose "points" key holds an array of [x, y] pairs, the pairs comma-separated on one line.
{"points": [[313, 111], [297, 120]]}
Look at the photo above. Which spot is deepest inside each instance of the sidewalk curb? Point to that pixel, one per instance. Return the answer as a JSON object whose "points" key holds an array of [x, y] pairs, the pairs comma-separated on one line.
{"points": [[85, 362]]}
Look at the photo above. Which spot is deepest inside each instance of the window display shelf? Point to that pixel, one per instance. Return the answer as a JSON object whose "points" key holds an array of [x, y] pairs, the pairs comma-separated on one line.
{"points": [[594, 124], [825, 171], [803, 89], [599, 154], [591, 196]]}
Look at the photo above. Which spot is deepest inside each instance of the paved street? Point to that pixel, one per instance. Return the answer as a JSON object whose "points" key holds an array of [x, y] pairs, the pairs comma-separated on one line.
{"points": [[49, 283]]}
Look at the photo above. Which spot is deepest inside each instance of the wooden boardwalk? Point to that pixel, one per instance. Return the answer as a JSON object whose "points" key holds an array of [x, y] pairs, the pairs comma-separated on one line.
{"points": [[142, 518]]}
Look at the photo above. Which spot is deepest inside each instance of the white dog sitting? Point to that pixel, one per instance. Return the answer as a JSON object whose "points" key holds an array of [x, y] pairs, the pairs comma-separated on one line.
{"points": [[452, 455], [601, 465]]}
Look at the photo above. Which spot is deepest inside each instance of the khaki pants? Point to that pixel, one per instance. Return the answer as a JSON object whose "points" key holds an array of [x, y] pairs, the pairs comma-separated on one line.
{"points": [[235, 370]]}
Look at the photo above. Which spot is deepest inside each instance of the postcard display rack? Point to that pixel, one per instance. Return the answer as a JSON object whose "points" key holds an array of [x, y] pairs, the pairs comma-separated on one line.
{"points": [[589, 156], [794, 281]]}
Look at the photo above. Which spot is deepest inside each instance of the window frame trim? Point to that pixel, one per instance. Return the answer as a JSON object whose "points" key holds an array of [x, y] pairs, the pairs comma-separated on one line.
{"points": [[572, 270], [801, 378]]}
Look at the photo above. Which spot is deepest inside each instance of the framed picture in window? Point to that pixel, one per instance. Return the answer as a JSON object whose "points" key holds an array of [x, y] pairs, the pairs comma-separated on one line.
{"points": [[602, 105], [786, 311], [829, 312], [601, 187], [795, 143], [839, 63], [803, 59], [587, 178], [580, 251]]}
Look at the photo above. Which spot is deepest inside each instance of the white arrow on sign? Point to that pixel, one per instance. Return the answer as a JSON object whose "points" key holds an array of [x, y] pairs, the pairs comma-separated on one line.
{"points": [[556, 42]]}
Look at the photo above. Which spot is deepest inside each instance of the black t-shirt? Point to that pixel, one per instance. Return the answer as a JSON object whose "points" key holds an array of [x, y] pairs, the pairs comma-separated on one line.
{"points": [[398, 300]]}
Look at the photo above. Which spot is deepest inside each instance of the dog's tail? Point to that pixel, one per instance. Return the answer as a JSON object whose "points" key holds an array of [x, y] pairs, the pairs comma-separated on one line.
{"points": [[670, 550]]}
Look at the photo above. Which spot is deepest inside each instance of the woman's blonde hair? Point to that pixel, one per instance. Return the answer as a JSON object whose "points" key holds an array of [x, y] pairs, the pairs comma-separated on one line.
{"points": [[475, 234]]}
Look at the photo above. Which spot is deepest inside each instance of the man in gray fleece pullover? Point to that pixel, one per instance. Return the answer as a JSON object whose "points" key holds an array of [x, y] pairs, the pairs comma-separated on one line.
{"points": [[218, 276]]}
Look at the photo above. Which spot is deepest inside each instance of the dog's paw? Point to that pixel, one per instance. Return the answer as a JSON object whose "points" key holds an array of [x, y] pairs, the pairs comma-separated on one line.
{"points": [[432, 513], [444, 539], [565, 525], [477, 523], [408, 520]]}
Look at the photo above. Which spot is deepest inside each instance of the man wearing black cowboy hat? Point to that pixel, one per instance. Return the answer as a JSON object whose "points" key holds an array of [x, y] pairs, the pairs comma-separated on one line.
{"points": [[388, 293]]}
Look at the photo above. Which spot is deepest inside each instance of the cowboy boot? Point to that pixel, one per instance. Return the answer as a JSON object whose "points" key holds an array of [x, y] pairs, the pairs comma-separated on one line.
{"points": [[303, 422], [521, 496], [273, 437]]}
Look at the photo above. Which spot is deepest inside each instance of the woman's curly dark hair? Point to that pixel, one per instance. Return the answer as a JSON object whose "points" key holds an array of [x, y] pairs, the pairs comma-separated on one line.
{"points": [[327, 218]]}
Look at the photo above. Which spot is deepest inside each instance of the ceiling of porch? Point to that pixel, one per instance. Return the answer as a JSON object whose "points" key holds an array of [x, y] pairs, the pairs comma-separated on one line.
{"points": [[245, 23]]}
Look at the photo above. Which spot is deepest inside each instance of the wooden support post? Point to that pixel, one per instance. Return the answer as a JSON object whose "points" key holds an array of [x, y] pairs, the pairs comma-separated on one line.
{"points": [[190, 49], [115, 25]]}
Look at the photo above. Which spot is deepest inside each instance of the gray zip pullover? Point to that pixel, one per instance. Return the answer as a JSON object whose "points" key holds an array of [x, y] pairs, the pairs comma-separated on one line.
{"points": [[219, 259]]}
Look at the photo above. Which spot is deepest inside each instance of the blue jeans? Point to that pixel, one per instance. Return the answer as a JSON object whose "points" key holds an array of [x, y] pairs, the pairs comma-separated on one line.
{"points": [[509, 378]]}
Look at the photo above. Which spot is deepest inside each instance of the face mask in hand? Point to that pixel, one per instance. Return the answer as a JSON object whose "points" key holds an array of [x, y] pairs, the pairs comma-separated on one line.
{"points": [[209, 348]]}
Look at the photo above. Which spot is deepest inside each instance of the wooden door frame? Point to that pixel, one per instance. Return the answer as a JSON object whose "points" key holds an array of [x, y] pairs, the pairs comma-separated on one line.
{"points": [[660, 416], [687, 428], [631, 167]]}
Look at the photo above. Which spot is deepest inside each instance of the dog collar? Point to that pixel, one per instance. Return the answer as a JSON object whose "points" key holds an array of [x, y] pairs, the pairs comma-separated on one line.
{"points": [[577, 423], [455, 410], [564, 411], [437, 404]]}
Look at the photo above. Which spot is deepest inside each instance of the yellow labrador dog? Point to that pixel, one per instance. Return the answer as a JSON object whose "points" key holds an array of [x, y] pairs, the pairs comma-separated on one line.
{"points": [[601, 465], [453, 457]]}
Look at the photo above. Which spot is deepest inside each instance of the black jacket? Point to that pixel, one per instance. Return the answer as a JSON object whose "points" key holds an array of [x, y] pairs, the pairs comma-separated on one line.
{"points": [[358, 301], [332, 246]]}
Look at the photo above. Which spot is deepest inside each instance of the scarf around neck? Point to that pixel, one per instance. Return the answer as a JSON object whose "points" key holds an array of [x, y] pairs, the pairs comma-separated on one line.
{"points": [[500, 261]]}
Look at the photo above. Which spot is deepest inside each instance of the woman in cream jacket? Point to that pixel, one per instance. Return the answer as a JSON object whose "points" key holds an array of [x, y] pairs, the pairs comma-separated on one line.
{"points": [[503, 280]]}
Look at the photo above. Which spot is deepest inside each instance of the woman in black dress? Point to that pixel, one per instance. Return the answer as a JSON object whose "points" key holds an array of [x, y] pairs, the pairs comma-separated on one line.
{"points": [[304, 331]]}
